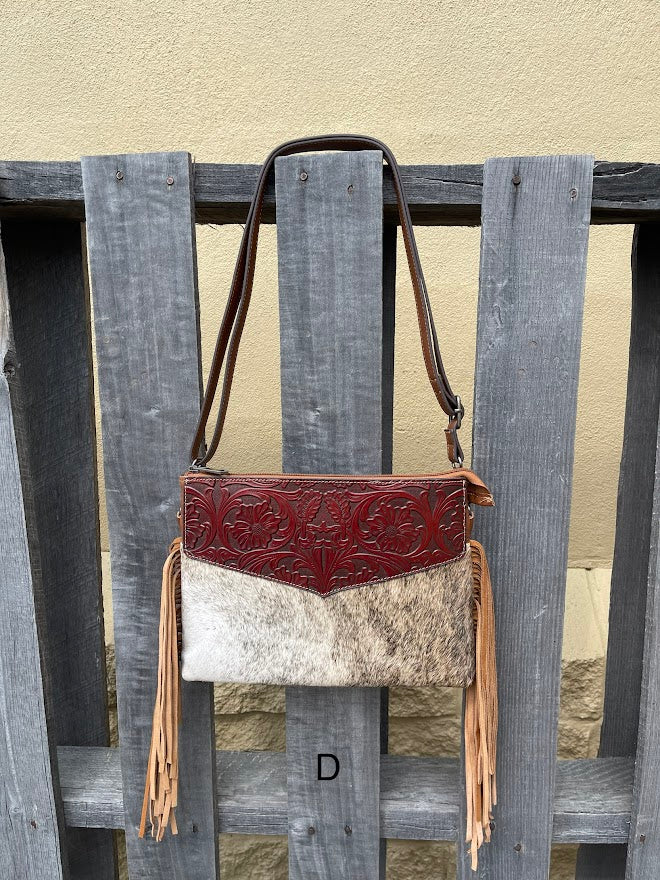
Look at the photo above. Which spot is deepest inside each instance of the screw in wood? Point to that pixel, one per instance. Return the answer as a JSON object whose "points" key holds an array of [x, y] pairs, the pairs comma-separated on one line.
{"points": [[303, 175], [642, 838], [350, 188], [573, 193], [518, 847], [348, 829], [120, 175], [516, 179], [170, 181], [311, 830]]}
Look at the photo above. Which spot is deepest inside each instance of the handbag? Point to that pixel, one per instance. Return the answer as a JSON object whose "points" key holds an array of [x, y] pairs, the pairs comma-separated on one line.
{"points": [[326, 580]]}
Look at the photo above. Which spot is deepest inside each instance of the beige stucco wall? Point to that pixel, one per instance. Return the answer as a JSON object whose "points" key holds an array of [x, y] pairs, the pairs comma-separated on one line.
{"points": [[440, 82]]}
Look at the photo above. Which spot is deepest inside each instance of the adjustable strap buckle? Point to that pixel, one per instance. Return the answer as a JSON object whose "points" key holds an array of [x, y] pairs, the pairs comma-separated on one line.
{"points": [[459, 412], [454, 451]]}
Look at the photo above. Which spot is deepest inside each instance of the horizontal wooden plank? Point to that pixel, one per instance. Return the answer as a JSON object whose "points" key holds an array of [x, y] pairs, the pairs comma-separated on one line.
{"points": [[252, 795], [592, 801], [444, 195], [91, 779], [42, 188], [419, 796]]}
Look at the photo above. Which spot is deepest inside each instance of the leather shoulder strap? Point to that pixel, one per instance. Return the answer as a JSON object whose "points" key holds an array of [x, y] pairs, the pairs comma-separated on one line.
{"points": [[240, 293]]}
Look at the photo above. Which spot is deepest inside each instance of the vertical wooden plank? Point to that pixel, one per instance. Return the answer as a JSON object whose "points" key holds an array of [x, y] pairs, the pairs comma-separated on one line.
{"points": [[535, 229], [334, 344], [630, 569], [51, 330], [141, 244], [644, 843], [31, 818]]}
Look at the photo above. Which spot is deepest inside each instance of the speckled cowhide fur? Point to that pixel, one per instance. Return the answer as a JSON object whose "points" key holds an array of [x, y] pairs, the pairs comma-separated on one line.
{"points": [[412, 630], [327, 581]]}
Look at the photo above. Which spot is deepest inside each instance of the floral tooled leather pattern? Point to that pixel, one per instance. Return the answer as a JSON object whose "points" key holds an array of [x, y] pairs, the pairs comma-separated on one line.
{"points": [[324, 535]]}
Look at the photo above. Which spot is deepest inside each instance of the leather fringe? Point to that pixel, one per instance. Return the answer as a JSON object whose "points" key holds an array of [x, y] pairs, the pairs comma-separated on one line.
{"points": [[161, 787], [481, 712]]}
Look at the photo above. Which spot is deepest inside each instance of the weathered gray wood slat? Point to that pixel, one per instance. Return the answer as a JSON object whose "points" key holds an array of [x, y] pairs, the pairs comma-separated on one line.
{"points": [[419, 797], [533, 264], [141, 245], [330, 247], [252, 795], [644, 844], [592, 800], [630, 570], [91, 785], [32, 842], [623, 192], [51, 329]]}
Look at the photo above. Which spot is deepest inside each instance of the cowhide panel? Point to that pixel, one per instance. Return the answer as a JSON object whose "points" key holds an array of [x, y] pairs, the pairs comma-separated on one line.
{"points": [[412, 630]]}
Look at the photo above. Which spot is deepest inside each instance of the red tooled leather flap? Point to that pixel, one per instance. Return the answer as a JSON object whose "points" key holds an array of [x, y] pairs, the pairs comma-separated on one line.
{"points": [[324, 534]]}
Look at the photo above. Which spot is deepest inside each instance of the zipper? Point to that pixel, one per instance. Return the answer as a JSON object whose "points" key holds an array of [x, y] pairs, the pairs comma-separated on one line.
{"points": [[456, 474], [480, 494]]}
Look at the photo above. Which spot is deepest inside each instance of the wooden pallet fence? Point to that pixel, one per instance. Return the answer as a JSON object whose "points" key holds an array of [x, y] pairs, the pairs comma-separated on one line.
{"points": [[65, 789]]}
